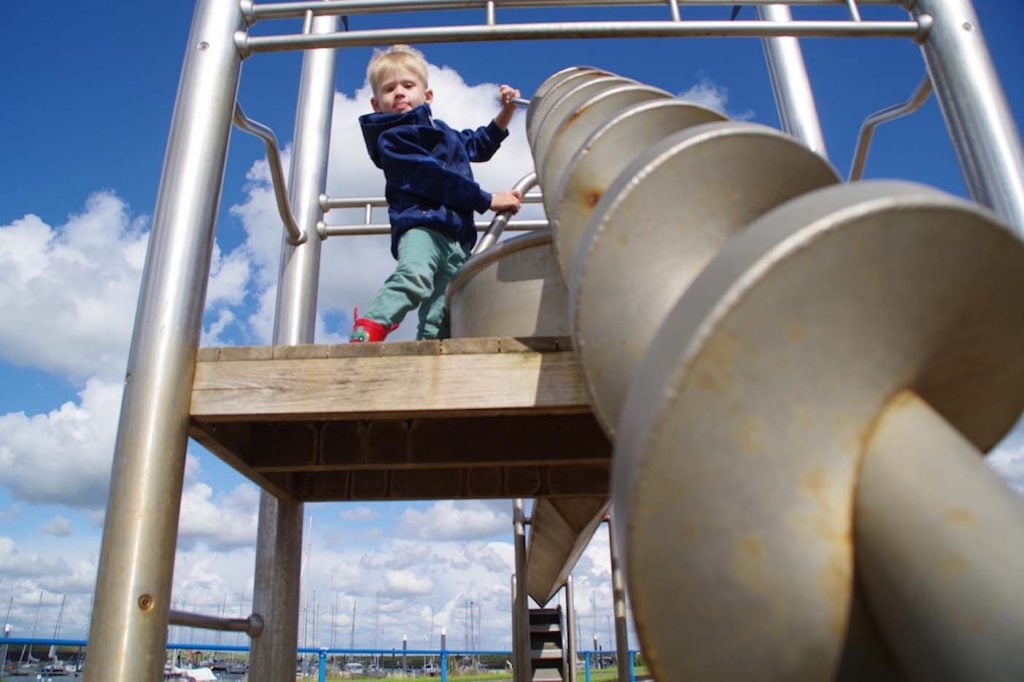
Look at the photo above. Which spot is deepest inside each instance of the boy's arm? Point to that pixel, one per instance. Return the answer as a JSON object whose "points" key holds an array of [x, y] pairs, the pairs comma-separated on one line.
{"points": [[507, 94], [481, 143], [411, 169]]}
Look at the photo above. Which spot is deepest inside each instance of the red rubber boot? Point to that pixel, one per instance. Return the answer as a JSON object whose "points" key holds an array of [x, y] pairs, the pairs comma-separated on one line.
{"points": [[365, 330]]}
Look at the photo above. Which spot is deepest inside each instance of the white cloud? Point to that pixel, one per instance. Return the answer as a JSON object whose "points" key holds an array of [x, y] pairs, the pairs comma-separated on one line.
{"points": [[708, 94], [407, 583], [16, 564], [229, 277], [58, 526], [63, 456], [213, 582], [85, 274], [212, 335], [357, 514], [490, 557], [1007, 459], [451, 520], [220, 521]]}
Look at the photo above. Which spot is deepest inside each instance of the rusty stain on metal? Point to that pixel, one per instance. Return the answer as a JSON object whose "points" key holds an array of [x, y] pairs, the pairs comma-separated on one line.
{"points": [[954, 566], [814, 481], [961, 516], [750, 437], [752, 546], [714, 371]]}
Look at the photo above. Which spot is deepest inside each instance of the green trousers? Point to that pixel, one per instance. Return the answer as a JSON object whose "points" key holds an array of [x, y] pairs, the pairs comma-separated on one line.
{"points": [[427, 262]]}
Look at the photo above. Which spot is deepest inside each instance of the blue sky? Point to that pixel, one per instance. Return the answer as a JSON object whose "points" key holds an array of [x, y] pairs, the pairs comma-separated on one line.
{"points": [[87, 95]]}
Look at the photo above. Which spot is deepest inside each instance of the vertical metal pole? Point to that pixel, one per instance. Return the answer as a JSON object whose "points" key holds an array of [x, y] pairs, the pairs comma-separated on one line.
{"points": [[521, 641], [321, 669], [570, 623], [128, 629], [793, 95], [515, 619], [586, 666], [279, 543], [985, 137], [444, 656], [619, 599], [7, 634]]}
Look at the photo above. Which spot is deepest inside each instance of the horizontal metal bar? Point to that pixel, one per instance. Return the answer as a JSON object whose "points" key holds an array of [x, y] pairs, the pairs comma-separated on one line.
{"points": [[329, 203], [916, 30], [284, 10], [252, 626], [384, 228], [295, 234]]}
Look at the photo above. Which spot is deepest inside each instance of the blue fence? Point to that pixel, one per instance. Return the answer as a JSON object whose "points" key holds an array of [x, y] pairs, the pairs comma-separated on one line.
{"points": [[591, 659]]}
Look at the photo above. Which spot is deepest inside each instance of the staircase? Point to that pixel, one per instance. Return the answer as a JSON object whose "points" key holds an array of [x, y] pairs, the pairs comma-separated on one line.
{"points": [[547, 653]]}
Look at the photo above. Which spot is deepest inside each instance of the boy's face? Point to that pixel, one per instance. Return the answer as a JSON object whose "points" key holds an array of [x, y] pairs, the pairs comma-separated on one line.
{"points": [[400, 90]]}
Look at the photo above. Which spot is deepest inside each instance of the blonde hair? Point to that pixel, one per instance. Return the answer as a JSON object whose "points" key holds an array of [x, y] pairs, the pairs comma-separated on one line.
{"points": [[387, 61]]}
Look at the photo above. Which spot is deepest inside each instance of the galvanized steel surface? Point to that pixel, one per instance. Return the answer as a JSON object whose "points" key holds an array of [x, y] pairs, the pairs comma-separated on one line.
{"points": [[658, 224], [741, 320], [743, 429], [573, 131], [278, 562], [128, 626], [570, 198], [569, 103], [957, 580], [552, 89], [980, 124], [512, 289], [916, 30]]}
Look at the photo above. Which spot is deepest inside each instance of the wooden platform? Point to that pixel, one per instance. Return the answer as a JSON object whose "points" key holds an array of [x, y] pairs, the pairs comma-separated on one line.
{"points": [[460, 418]]}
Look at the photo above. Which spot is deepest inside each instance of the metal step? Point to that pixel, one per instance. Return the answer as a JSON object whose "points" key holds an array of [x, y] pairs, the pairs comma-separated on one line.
{"points": [[547, 647]]}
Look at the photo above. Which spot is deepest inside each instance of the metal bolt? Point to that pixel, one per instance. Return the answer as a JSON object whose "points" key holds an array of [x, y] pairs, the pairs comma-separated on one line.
{"points": [[968, 26], [146, 602], [203, 45]]}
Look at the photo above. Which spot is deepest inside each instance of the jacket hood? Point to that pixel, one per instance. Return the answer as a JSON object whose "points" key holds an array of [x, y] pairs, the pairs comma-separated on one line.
{"points": [[375, 124]]}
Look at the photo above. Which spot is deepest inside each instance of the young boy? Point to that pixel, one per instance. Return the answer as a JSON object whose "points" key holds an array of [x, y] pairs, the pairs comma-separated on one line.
{"points": [[430, 191]]}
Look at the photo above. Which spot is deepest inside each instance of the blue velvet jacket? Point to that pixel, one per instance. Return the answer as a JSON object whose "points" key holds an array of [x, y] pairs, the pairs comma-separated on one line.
{"points": [[429, 182]]}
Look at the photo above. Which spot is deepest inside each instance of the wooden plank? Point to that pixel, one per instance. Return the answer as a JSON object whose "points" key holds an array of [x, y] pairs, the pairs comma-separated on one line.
{"points": [[460, 418], [444, 484], [424, 443], [231, 443], [439, 383]]}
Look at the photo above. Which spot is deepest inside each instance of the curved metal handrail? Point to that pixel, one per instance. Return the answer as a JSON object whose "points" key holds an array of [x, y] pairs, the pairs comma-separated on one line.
{"points": [[295, 234], [368, 227], [500, 220], [867, 129]]}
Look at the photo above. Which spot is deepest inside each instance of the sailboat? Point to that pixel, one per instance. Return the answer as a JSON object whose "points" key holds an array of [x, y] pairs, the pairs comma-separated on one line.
{"points": [[56, 667]]}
